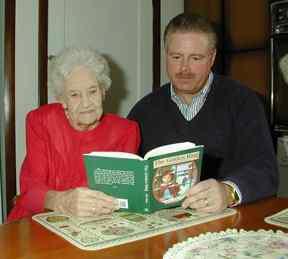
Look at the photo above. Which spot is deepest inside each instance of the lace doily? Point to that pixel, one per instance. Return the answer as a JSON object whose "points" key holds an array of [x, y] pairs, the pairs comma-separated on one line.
{"points": [[232, 244]]}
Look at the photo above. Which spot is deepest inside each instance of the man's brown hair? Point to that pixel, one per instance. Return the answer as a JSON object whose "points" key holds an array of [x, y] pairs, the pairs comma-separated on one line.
{"points": [[186, 22]]}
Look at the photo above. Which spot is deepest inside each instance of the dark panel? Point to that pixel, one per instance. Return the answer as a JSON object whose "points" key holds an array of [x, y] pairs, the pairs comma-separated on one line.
{"points": [[42, 52], [9, 96], [246, 24], [209, 8], [156, 44], [279, 81]]}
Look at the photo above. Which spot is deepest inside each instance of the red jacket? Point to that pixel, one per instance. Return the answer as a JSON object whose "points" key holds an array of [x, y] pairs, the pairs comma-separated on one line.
{"points": [[54, 153]]}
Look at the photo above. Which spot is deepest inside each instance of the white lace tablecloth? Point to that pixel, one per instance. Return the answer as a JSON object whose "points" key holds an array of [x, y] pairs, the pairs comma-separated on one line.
{"points": [[232, 244]]}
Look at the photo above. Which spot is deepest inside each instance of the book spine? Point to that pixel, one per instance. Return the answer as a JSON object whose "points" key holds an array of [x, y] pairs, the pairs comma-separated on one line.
{"points": [[146, 188]]}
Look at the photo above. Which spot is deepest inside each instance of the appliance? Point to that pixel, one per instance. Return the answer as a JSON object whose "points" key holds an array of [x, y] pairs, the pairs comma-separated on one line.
{"points": [[278, 92]]}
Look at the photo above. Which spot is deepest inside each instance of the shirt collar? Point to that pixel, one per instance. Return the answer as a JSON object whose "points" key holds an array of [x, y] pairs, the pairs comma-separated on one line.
{"points": [[201, 94]]}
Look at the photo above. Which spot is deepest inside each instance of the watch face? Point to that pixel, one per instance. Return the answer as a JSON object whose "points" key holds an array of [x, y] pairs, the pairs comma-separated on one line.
{"points": [[236, 196], [232, 195]]}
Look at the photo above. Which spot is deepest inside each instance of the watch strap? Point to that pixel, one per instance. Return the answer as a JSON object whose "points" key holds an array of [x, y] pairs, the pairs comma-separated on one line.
{"points": [[232, 195]]}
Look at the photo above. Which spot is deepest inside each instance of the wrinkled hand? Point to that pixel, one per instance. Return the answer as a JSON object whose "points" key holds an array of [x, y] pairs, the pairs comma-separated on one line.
{"points": [[207, 196], [81, 202]]}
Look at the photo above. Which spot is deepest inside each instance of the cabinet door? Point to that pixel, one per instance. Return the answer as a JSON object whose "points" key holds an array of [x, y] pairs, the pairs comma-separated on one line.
{"points": [[246, 24], [254, 73], [209, 8]]}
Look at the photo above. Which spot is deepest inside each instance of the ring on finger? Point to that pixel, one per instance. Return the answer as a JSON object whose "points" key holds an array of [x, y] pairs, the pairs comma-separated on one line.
{"points": [[93, 209]]}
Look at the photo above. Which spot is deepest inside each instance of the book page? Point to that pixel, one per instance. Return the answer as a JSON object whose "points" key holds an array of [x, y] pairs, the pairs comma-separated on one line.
{"points": [[114, 154], [166, 149]]}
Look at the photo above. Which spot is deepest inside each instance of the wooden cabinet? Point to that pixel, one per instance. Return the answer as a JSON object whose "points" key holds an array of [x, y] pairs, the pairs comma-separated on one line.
{"points": [[246, 24], [251, 68]]}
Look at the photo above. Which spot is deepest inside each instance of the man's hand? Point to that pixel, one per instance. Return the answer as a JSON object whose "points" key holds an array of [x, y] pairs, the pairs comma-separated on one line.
{"points": [[80, 202], [207, 196]]}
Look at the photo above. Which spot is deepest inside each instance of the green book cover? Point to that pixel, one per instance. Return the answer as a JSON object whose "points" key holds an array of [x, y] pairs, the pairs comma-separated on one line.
{"points": [[159, 180]]}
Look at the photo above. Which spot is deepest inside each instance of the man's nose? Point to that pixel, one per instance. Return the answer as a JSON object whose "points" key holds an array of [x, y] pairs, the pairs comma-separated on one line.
{"points": [[185, 65]]}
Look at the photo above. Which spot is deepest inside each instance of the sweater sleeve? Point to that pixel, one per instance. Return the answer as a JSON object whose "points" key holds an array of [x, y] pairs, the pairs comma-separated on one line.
{"points": [[34, 170], [254, 165]]}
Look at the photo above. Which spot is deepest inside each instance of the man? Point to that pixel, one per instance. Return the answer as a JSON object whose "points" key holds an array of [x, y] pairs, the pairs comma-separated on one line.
{"points": [[239, 163]]}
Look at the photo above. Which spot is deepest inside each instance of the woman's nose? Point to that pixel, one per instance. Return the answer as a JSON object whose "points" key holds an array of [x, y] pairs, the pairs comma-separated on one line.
{"points": [[85, 100]]}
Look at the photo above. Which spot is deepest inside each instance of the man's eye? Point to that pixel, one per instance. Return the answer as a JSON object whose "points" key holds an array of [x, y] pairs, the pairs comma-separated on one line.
{"points": [[175, 57], [73, 94], [94, 91], [196, 58]]}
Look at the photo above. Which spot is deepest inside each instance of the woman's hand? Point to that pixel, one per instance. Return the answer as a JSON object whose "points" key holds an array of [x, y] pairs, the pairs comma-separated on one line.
{"points": [[207, 196], [81, 202]]}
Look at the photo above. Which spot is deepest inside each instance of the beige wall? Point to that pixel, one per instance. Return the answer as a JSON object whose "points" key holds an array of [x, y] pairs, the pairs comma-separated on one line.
{"points": [[121, 30], [26, 68]]}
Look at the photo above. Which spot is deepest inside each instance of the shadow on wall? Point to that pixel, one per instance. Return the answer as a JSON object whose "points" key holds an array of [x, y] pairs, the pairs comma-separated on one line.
{"points": [[118, 92]]}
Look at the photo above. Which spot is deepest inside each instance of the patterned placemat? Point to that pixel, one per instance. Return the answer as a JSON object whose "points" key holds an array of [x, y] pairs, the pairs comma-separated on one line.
{"points": [[234, 244], [122, 227], [279, 219]]}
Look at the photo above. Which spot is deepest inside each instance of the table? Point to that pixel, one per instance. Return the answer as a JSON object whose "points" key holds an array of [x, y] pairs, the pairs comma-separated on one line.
{"points": [[26, 239]]}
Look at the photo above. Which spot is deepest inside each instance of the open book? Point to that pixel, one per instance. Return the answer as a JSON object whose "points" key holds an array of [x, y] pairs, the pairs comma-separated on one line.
{"points": [[159, 180]]}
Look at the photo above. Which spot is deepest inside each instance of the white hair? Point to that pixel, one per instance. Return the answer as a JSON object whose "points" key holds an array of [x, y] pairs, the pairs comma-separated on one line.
{"points": [[60, 66], [283, 65]]}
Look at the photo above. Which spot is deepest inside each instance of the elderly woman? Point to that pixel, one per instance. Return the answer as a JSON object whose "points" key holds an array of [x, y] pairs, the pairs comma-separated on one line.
{"points": [[53, 174]]}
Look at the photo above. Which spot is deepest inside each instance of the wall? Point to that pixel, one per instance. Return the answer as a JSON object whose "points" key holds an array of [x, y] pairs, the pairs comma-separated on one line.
{"points": [[121, 30], [26, 69]]}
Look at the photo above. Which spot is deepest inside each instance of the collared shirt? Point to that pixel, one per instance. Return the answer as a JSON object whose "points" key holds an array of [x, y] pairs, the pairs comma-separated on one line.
{"points": [[189, 111]]}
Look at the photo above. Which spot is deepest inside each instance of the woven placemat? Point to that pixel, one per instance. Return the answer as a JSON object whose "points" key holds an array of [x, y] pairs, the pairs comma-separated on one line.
{"points": [[95, 233]]}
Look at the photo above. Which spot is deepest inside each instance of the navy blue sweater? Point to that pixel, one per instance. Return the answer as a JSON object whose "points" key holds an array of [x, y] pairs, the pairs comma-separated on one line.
{"points": [[231, 125]]}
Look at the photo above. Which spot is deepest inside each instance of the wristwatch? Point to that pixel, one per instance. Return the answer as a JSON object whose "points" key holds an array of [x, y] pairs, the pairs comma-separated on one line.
{"points": [[232, 195]]}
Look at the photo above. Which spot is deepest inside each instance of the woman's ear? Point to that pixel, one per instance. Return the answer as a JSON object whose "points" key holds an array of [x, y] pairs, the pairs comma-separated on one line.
{"points": [[103, 90]]}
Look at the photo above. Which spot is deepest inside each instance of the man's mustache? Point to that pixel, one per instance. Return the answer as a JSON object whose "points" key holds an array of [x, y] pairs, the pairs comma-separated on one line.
{"points": [[184, 75]]}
